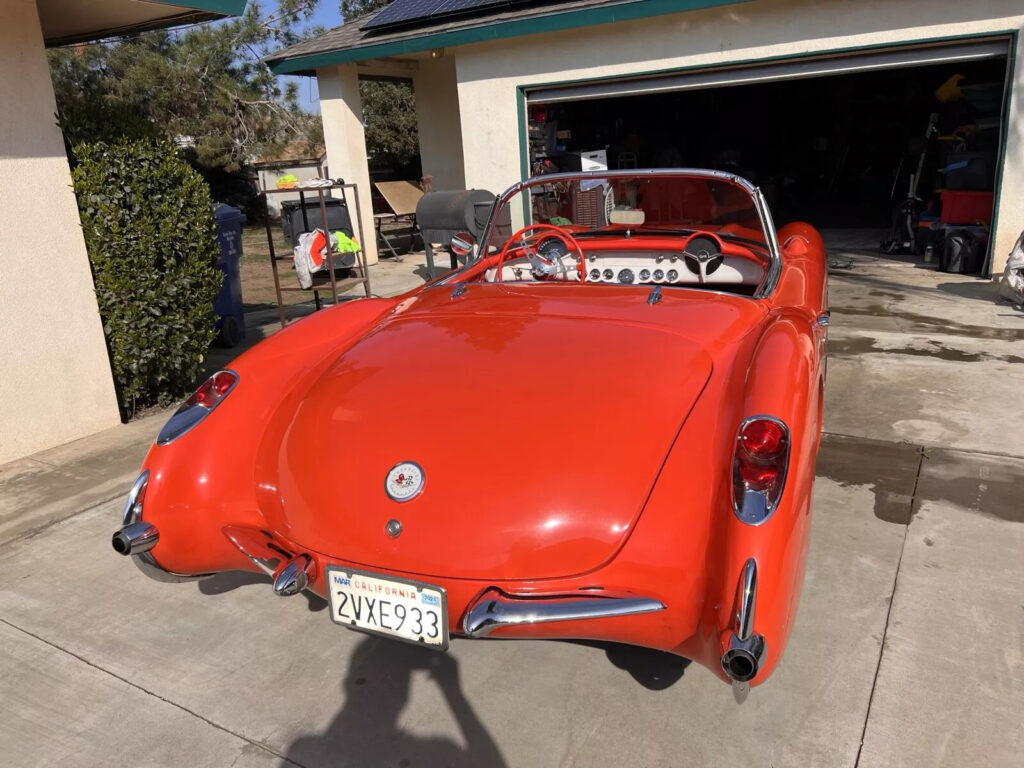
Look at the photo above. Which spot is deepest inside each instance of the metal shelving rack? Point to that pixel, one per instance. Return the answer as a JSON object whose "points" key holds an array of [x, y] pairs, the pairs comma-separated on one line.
{"points": [[327, 280]]}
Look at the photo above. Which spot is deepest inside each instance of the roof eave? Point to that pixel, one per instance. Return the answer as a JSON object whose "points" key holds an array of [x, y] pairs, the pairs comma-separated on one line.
{"points": [[486, 32], [198, 11]]}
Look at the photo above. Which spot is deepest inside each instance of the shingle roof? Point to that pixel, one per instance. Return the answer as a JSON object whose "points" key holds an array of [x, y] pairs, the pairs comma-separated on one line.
{"points": [[351, 37]]}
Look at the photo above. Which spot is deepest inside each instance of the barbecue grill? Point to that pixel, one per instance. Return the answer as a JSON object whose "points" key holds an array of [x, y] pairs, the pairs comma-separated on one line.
{"points": [[442, 215]]}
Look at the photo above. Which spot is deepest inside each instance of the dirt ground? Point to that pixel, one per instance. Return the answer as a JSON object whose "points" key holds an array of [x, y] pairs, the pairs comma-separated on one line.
{"points": [[258, 279]]}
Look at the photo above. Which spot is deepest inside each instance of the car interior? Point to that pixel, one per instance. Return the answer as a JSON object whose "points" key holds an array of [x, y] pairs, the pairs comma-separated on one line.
{"points": [[670, 231]]}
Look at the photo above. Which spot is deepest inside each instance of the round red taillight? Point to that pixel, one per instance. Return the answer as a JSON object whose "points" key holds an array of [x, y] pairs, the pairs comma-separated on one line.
{"points": [[204, 395], [222, 382], [763, 440], [758, 477]]}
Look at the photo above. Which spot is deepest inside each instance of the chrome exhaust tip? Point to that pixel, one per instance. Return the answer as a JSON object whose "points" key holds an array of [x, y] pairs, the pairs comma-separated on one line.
{"points": [[135, 539], [742, 661], [293, 577], [744, 650]]}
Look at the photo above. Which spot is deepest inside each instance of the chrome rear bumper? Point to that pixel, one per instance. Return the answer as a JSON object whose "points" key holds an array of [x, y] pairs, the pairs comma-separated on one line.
{"points": [[495, 609]]}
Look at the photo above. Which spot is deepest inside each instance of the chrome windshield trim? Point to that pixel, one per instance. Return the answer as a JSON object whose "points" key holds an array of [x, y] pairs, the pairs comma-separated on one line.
{"points": [[494, 609], [760, 206], [771, 278]]}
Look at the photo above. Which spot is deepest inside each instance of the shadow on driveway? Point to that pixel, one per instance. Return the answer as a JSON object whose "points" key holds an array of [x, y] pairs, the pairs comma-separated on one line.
{"points": [[366, 732]]}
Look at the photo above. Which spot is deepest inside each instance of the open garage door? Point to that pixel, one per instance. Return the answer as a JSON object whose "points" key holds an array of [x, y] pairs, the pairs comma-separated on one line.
{"points": [[847, 63], [833, 139]]}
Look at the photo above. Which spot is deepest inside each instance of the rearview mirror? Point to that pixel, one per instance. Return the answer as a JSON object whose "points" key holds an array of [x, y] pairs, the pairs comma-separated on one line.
{"points": [[463, 244]]}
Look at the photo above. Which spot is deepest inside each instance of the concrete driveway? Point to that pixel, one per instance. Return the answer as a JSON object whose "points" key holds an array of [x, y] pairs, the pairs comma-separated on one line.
{"points": [[908, 649]]}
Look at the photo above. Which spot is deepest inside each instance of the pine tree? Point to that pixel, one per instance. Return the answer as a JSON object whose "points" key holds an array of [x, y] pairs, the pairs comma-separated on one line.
{"points": [[204, 86]]}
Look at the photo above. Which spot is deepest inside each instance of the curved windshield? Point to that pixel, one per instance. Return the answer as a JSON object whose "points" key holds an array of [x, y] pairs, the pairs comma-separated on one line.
{"points": [[685, 228]]}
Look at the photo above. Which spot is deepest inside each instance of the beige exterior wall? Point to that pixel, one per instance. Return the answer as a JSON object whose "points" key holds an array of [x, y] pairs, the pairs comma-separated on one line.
{"points": [[489, 73], [341, 110], [55, 381], [439, 123]]}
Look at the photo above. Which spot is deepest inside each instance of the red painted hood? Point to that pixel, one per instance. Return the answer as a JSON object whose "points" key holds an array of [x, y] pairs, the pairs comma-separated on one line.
{"points": [[540, 437]]}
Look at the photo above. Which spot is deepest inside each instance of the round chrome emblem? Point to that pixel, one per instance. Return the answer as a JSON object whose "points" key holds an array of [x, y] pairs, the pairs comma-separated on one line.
{"points": [[404, 481], [393, 528]]}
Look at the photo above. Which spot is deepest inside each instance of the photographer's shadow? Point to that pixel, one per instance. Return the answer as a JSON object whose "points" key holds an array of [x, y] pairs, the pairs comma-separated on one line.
{"points": [[376, 690]]}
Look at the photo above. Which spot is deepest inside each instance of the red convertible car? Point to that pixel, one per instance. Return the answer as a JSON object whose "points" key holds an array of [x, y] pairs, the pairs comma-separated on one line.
{"points": [[604, 426]]}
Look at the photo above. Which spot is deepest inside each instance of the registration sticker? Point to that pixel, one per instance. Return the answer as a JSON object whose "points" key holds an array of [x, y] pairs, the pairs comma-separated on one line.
{"points": [[385, 605]]}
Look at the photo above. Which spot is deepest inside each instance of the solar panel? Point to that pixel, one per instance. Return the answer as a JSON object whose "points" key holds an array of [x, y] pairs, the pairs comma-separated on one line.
{"points": [[402, 11], [453, 6], [405, 12]]}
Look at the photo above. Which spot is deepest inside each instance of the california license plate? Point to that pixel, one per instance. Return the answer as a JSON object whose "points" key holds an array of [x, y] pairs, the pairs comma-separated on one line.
{"points": [[385, 605]]}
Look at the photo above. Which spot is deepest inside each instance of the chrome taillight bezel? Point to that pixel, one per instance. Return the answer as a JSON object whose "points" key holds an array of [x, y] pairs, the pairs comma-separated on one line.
{"points": [[190, 414], [754, 507]]}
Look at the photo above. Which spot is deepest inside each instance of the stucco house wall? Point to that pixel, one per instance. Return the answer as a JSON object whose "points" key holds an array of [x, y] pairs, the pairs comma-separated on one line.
{"points": [[438, 123], [55, 381], [489, 73]]}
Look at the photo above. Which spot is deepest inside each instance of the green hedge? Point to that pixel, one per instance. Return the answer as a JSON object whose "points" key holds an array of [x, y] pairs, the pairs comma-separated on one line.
{"points": [[152, 240]]}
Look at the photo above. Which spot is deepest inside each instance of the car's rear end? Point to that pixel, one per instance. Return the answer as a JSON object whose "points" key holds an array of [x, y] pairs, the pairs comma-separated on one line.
{"points": [[511, 461]]}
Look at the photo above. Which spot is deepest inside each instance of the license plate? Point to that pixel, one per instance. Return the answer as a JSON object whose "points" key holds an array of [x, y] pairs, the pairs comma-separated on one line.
{"points": [[389, 606]]}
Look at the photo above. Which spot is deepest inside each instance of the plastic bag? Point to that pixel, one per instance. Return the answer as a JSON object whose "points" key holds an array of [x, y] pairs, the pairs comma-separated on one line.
{"points": [[310, 255]]}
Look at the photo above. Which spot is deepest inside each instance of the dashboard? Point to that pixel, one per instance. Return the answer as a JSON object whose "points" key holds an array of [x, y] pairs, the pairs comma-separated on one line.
{"points": [[701, 260]]}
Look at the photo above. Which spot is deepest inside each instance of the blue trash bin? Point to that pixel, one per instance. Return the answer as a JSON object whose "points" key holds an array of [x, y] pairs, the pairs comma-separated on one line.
{"points": [[228, 304]]}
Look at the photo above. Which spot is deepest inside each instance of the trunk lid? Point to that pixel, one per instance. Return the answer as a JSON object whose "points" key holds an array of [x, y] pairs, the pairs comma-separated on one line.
{"points": [[540, 437]]}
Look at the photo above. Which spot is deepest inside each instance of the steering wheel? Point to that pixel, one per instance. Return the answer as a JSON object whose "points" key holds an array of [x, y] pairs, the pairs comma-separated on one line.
{"points": [[540, 265]]}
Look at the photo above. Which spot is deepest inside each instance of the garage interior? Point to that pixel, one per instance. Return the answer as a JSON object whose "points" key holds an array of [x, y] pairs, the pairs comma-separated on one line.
{"points": [[832, 142]]}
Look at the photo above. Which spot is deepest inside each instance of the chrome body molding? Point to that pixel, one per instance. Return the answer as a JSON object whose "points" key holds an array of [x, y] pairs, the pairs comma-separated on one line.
{"points": [[293, 577], [258, 546], [136, 538], [152, 569], [136, 497], [494, 609], [744, 650]]}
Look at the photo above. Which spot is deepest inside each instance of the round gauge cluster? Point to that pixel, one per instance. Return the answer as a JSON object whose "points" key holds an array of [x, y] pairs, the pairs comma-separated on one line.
{"points": [[660, 269]]}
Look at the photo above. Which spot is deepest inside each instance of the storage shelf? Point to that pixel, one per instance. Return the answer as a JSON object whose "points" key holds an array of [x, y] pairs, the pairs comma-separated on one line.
{"points": [[322, 281]]}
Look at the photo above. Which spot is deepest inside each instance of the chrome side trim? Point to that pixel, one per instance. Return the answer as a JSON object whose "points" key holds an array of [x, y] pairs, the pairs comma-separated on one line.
{"points": [[494, 609], [136, 496], [746, 594], [294, 576]]}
